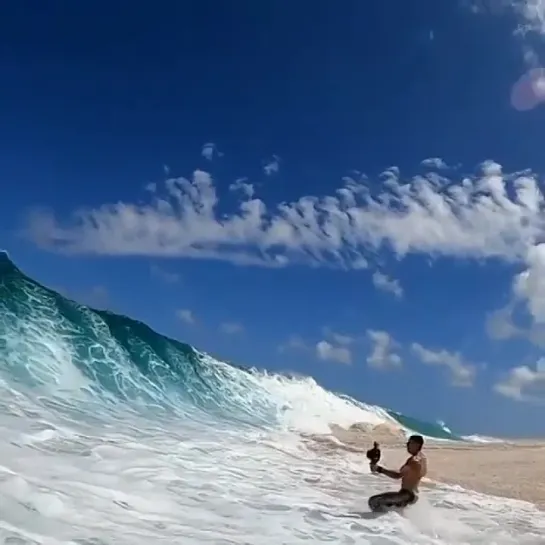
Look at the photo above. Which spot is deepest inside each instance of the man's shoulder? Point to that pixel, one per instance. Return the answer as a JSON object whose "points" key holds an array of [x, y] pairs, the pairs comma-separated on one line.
{"points": [[419, 458]]}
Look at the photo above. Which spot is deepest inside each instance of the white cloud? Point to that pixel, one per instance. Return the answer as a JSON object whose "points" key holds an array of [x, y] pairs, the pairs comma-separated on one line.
{"points": [[499, 324], [186, 316], [272, 166], [385, 283], [527, 293], [359, 263], [529, 285], [461, 372], [241, 184], [382, 355], [524, 384], [491, 169], [164, 275], [434, 162], [231, 328], [328, 352], [488, 215], [210, 150], [532, 13]]}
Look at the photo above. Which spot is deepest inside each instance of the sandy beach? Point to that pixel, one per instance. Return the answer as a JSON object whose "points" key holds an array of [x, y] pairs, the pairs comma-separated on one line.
{"points": [[514, 469]]}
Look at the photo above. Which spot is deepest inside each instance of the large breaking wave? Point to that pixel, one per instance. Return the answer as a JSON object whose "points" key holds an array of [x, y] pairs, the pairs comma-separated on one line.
{"points": [[51, 344]]}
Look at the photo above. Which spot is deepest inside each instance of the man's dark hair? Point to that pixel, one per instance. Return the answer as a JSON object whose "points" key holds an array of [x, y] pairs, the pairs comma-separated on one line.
{"points": [[418, 439]]}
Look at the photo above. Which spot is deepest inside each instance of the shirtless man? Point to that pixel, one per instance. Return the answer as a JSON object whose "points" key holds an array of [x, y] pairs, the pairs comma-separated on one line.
{"points": [[410, 474]]}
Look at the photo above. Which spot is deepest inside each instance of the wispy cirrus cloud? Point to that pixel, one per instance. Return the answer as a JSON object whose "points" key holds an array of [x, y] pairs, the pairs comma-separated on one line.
{"points": [[485, 215]]}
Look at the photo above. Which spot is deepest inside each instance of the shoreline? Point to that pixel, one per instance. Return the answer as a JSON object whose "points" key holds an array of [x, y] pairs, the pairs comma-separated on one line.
{"points": [[507, 469]]}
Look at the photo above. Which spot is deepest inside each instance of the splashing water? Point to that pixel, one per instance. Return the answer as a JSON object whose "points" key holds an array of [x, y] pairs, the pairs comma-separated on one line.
{"points": [[111, 433]]}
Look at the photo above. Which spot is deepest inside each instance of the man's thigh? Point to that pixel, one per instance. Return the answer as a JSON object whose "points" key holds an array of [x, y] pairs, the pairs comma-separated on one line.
{"points": [[389, 500]]}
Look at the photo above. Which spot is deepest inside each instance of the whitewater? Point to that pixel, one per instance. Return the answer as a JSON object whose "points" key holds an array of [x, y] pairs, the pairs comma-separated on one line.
{"points": [[113, 434]]}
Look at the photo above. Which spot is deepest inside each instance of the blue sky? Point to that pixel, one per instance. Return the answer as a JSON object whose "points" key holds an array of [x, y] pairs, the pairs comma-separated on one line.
{"points": [[352, 193]]}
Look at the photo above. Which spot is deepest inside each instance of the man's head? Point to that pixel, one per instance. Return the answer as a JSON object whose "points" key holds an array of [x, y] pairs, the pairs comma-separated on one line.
{"points": [[415, 444]]}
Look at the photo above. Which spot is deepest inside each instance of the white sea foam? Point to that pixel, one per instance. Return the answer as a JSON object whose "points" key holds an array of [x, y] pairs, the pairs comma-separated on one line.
{"points": [[125, 479], [482, 439], [307, 407]]}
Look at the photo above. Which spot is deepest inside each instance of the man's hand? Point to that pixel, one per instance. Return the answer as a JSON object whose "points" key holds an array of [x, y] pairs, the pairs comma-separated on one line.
{"points": [[388, 472]]}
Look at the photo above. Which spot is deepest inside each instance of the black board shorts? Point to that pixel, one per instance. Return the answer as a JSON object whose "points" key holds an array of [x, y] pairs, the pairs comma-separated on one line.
{"points": [[392, 500]]}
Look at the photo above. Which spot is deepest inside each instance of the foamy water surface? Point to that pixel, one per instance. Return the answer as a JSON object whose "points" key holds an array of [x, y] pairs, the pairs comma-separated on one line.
{"points": [[117, 477]]}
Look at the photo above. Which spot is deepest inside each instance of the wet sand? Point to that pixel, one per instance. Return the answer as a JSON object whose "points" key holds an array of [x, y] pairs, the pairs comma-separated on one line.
{"points": [[514, 469]]}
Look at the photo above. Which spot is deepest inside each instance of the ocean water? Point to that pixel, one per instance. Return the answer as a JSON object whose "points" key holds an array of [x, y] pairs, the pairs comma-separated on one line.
{"points": [[113, 434], [437, 430]]}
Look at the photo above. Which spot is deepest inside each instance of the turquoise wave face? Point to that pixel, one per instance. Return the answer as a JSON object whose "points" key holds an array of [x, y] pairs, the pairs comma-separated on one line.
{"points": [[49, 341], [57, 348], [424, 428]]}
